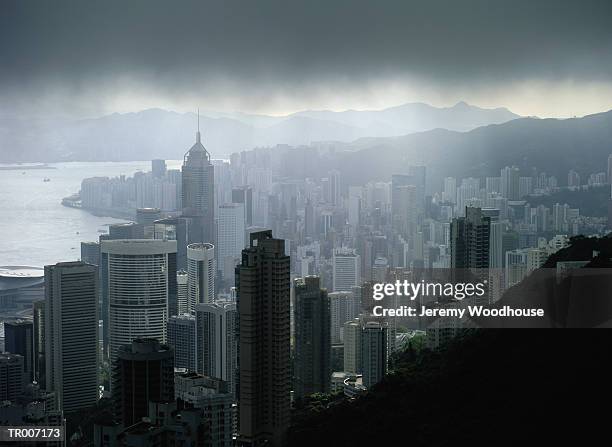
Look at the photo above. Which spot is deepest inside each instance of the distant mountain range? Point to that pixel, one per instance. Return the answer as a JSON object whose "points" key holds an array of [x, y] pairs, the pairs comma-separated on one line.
{"points": [[551, 145], [159, 133]]}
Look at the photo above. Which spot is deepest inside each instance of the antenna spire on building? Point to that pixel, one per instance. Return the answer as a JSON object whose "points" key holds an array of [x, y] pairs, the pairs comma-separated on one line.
{"points": [[198, 138]]}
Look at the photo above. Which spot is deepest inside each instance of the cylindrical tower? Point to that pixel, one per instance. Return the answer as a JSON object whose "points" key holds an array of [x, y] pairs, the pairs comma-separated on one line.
{"points": [[201, 274], [138, 285]]}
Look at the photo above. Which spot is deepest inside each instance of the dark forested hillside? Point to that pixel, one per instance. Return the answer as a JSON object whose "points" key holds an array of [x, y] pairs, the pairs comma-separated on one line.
{"points": [[490, 387]]}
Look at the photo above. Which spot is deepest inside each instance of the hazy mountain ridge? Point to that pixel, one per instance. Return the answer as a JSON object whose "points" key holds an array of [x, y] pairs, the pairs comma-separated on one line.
{"points": [[166, 134], [551, 145]]}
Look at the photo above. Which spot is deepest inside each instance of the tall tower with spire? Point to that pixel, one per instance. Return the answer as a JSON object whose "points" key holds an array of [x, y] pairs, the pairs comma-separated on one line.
{"points": [[198, 177]]}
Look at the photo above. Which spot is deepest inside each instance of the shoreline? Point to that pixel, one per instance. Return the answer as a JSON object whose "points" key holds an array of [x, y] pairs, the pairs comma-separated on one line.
{"points": [[18, 167], [74, 201]]}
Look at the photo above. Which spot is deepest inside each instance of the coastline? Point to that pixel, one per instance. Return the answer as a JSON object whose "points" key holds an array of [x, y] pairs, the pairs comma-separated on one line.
{"points": [[25, 167], [74, 201]]}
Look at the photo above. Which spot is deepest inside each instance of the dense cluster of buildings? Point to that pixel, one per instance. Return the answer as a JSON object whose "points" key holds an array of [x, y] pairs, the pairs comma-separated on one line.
{"points": [[238, 292]]}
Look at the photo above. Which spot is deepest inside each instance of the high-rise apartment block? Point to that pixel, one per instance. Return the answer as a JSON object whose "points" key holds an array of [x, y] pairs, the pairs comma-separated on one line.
{"points": [[312, 369], [263, 289]]}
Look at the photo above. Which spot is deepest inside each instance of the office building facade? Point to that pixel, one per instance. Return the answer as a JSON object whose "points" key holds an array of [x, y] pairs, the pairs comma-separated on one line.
{"points": [[71, 334], [139, 289]]}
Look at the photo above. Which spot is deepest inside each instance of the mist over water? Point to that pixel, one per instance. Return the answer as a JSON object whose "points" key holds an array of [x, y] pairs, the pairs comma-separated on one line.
{"points": [[36, 229]]}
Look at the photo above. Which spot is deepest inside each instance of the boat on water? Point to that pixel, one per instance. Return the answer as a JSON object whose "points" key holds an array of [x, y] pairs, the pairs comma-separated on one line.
{"points": [[46, 179]]}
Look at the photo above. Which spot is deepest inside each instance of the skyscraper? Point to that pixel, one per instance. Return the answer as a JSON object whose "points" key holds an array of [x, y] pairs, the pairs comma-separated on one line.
{"points": [[182, 292], [244, 195], [182, 337], [470, 239], [71, 334], [471, 250], [143, 372], [418, 174], [495, 237], [373, 352], [510, 178], [263, 289], [19, 339], [216, 340], [158, 168], [346, 269], [198, 193], [405, 210], [312, 368], [354, 207], [344, 306], [174, 229], [230, 238], [139, 288], [404, 203], [352, 346], [201, 274], [38, 311], [334, 187], [11, 376]]}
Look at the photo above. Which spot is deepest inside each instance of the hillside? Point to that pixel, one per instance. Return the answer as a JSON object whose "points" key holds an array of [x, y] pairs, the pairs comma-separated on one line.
{"points": [[493, 387], [550, 145]]}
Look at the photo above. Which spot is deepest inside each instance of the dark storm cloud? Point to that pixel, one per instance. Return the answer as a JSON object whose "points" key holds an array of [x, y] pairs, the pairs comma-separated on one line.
{"points": [[180, 45]]}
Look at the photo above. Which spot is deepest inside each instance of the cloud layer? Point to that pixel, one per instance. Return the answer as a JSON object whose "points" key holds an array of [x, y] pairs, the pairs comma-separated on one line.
{"points": [[279, 56]]}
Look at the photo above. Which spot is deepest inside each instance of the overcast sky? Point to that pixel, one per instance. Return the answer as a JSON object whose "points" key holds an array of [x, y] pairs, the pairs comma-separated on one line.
{"points": [[536, 57]]}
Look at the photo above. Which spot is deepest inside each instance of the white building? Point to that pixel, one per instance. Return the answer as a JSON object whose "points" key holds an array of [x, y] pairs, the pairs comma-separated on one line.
{"points": [[216, 348], [138, 276], [201, 274], [182, 292], [346, 269], [230, 238]]}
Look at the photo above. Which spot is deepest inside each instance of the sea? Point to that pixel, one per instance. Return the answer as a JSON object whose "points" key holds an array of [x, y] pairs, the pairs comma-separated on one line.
{"points": [[35, 228]]}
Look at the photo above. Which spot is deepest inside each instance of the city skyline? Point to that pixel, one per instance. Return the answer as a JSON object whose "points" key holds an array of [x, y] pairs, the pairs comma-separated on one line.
{"points": [[327, 239]]}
